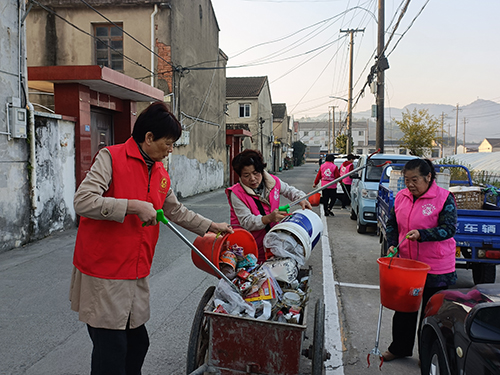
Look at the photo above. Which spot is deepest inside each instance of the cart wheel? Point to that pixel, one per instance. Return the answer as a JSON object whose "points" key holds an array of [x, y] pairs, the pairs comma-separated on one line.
{"points": [[319, 338], [198, 338]]}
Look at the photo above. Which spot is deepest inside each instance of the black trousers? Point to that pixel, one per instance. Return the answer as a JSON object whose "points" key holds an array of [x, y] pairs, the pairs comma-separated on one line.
{"points": [[118, 352], [329, 197], [404, 326], [346, 201]]}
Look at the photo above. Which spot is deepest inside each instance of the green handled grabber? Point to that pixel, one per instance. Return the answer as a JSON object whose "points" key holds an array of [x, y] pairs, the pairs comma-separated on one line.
{"points": [[160, 217], [286, 208], [396, 249]]}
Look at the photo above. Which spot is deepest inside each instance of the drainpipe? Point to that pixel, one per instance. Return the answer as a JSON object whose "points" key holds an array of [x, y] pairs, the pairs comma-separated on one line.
{"points": [[153, 44], [23, 71]]}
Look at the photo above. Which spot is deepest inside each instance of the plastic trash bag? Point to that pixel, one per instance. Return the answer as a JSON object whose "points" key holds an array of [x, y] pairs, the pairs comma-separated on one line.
{"points": [[236, 305], [282, 244]]}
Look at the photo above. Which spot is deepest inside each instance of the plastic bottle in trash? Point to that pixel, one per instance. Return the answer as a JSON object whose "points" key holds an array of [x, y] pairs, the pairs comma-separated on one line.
{"points": [[280, 317]]}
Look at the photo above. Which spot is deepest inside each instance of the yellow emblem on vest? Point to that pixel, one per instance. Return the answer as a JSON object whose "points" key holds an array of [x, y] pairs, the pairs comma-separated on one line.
{"points": [[163, 185]]}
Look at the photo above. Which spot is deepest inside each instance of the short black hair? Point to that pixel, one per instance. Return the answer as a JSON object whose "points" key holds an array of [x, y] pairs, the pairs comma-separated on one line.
{"points": [[330, 157], [424, 167], [351, 157], [157, 119], [246, 158]]}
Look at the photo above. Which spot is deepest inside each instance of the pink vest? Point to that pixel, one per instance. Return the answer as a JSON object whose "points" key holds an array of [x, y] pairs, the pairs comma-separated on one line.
{"points": [[424, 214], [344, 169], [328, 174], [274, 200]]}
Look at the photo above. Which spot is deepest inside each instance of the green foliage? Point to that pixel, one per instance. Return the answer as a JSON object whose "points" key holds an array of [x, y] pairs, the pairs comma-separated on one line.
{"points": [[299, 150], [341, 143], [420, 131]]}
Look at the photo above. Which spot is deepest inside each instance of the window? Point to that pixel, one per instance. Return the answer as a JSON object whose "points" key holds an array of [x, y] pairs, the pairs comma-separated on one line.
{"points": [[306, 134], [245, 110], [109, 46], [402, 151], [361, 132], [359, 151]]}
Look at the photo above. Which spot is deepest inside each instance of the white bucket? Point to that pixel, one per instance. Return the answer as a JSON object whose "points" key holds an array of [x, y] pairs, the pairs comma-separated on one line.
{"points": [[305, 225]]}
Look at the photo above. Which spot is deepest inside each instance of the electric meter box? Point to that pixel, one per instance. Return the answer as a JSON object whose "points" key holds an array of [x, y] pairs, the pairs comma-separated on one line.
{"points": [[18, 122]]}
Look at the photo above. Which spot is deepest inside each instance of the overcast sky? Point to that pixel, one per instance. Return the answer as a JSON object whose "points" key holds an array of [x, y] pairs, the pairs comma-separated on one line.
{"points": [[450, 55]]}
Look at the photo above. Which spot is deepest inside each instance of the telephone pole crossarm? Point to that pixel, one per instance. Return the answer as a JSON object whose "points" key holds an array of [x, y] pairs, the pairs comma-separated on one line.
{"points": [[349, 102]]}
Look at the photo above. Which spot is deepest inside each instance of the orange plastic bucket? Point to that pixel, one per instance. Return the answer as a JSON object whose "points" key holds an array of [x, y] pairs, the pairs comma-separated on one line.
{"points": [[402, 283], [315, 199], [211, 247]]}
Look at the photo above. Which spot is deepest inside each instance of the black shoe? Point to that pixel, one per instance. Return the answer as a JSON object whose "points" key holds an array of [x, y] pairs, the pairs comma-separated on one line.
{"points": [[330, 213], [327, 213]]}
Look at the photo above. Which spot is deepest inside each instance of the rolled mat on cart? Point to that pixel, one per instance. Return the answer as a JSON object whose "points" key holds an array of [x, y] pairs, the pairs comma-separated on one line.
{"points": [[402, 283], [212, 246]]}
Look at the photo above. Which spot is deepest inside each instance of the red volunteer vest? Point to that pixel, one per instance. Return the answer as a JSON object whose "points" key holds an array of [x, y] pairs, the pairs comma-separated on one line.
{"points": [[113, 250], [345, 168], [328, 172], [424, 214], [274, 200]]}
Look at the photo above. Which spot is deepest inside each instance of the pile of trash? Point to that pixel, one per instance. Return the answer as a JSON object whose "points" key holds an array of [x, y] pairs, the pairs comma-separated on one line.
{"points": [[276, 290]]}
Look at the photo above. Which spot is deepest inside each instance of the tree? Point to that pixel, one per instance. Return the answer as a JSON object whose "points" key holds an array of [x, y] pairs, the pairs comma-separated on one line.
{"points": [[299, 149], [420, 131], [341, 142]]}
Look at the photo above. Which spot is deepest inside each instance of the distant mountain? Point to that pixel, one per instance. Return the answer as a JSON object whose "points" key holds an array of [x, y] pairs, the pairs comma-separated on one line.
{"points": [[482, 119]]}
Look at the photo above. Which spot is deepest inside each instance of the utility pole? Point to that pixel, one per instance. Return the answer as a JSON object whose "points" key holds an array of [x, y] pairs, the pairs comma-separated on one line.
{"points": [[379, 132], [332, 137], [442, 134], [349, 102], [456, 131], [465, 121], [261, 123], [329, 130]]}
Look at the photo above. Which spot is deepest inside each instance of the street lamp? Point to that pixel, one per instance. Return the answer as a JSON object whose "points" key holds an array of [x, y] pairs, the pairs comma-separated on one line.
{"points": [[349, 123]]}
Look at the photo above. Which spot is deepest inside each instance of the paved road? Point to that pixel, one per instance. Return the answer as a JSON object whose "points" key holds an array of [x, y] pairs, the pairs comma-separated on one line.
{"points": [[39, 334]]}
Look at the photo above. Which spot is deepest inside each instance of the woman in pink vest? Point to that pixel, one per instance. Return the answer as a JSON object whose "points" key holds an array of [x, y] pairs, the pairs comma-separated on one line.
{"points": [[345, 168], [125, 186], [255, 199], [327, 173], [427, 214]]}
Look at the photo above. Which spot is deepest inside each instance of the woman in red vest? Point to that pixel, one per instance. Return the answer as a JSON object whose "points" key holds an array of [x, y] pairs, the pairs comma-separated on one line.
{"points": [[125, 186], [255, 199]]}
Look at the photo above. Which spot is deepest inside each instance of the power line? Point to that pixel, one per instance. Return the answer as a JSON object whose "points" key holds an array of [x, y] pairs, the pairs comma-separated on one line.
{"points": [[126, 33], [92, 36]]}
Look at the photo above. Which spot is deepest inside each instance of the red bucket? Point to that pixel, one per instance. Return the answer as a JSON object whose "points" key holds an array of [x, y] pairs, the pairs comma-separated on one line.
{"points": [[315, 199], [211, 246], [402, 283]]}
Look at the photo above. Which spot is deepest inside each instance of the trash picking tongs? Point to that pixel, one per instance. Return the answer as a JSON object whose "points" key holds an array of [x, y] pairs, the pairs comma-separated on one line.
{"points": [[376, 350], [287, 207], [160, 216]]}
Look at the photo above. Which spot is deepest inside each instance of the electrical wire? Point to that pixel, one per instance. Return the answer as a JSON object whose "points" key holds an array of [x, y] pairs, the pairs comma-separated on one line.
{"points": [[92, 36], [126, 33]]}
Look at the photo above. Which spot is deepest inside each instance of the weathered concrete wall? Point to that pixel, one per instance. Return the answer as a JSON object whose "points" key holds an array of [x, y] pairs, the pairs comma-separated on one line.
{"points": [[186, 33], [189, 177], [55, 159], [193, 34], [14, 188]]}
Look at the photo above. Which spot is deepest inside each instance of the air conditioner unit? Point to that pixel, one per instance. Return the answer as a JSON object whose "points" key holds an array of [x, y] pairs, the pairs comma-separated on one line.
{"points": [[271, 139]]}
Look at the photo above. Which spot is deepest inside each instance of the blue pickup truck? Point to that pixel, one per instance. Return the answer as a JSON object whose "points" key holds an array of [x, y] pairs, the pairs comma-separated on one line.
{"points": [[478, 229]]}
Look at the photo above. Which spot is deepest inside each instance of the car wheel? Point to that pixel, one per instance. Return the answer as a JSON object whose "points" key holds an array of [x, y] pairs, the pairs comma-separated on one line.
{"points": [[353, 214], [484, 273], [361, 228], [435, 364]]}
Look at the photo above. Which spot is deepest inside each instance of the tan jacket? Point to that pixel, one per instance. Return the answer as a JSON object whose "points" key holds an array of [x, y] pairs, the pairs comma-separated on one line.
{"points": [[104, 303]]}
